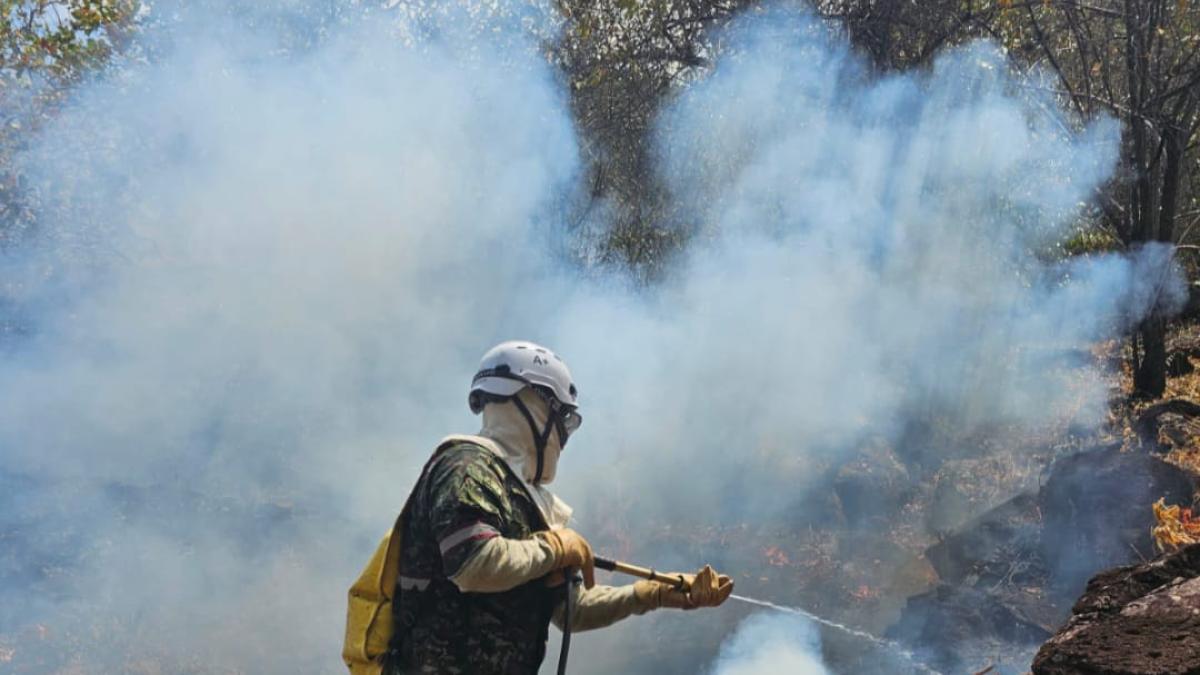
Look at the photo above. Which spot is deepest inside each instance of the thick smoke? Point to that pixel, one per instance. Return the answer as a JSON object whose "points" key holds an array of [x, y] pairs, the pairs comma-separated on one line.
{"points": [[771, 644], [869, 253], [261, 288], [262, 281]]}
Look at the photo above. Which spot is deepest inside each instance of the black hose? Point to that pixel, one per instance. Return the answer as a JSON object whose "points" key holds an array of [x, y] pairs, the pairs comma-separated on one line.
{"points": [[571, 580]]}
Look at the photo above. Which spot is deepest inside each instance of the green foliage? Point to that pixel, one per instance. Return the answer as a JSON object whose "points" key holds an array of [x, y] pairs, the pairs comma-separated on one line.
{"points": [[55, 44], [1088, 241], [624, 59], [46, 49]]}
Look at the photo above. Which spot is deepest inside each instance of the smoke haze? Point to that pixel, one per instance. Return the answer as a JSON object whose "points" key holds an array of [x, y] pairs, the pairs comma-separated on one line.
{"points": [[767, 644], [262, 283]]}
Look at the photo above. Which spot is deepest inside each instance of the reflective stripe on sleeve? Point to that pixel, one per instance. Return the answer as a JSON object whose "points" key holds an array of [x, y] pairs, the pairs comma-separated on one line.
{"points": [[469, 533], [412, 584]]}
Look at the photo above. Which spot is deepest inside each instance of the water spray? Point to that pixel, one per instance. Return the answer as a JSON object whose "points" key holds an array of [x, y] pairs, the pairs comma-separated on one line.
{"points": [[681, 582]]}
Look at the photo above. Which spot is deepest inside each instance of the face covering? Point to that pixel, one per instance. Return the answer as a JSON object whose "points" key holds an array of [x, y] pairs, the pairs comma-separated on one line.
{"points": [[507, 432], [512, 428]]}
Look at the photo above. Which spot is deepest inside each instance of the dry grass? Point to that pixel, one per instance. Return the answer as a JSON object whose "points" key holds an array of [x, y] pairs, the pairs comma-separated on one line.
{"points": [[1180, 439]]}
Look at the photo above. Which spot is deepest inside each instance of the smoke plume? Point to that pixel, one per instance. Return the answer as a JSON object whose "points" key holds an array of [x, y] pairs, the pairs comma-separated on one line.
{"points": [[771, 644], [263, 278]]}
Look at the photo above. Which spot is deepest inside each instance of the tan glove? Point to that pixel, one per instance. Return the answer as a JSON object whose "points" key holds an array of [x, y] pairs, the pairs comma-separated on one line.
{"points": [[706, 589], [570, 550]]}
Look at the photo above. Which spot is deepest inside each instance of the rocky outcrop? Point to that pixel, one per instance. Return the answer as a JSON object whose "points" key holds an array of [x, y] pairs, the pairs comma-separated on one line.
{"points": [[1007, 578], [1096, 511], [1092, 512], [959, 628], [1132, 620]]}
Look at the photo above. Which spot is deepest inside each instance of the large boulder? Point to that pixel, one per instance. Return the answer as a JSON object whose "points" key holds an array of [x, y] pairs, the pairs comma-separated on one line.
{"points": [[961, 629], [993, 548], [1096, 511], [1132, 620], [1008, 577], [965, 489], [1092, 512]]}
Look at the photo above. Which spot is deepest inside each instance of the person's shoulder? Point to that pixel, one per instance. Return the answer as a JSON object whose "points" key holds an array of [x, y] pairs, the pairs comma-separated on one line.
{"points": [[466, 473], [463, 457], [465, 450]]}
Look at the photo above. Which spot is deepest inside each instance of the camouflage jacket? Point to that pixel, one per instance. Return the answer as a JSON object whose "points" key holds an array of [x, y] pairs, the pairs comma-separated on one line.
{"points": [[466, 496]]}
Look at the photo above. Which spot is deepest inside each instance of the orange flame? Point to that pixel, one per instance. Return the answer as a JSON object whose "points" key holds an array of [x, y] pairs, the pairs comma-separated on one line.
{"points": [[1176, 526]]}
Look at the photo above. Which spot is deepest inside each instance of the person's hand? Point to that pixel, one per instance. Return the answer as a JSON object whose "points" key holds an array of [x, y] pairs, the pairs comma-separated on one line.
{"points": [[570, 550], [706, 588], [709, 589]]}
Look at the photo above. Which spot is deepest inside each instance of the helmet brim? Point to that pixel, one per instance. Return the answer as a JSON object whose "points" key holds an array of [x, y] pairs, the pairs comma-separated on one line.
{"points": [[500, 386]]}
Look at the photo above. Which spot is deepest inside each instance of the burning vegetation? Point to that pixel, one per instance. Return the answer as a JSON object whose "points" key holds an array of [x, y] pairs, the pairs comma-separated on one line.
{"points": [[1174, 526]]}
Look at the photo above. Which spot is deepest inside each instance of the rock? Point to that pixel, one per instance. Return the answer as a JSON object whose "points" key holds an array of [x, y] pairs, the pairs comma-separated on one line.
{"points": [[1096, 511], [1092, 512], [1008, 576], [965, 489], [957, 628], [991, 598], [1137, 619], [1165, 425], [983, 551]]}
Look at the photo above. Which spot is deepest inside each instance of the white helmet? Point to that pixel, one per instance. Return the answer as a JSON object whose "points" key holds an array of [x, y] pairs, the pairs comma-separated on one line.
{"points": [[511, 366]]}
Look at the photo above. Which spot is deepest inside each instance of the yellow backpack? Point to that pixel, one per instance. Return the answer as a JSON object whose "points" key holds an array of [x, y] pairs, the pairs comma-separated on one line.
{"points": [[369, 613]]}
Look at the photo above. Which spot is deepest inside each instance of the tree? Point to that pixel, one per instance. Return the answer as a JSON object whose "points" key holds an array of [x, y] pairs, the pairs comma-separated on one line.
{"points": [[1138, 60], [622, 60], [900, 35], [46, 49]]}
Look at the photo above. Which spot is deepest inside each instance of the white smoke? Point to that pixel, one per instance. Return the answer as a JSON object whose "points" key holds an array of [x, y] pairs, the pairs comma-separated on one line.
{"points": [[868, 253], [261, 286], [256, 304], [772, 643]]}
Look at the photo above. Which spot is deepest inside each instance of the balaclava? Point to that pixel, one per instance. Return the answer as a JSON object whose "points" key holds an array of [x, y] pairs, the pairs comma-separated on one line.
{"points": [[508, 426]]}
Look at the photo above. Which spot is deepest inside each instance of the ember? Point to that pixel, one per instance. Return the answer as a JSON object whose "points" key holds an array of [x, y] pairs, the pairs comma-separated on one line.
{"points": [[776, 557], [864, 592]]}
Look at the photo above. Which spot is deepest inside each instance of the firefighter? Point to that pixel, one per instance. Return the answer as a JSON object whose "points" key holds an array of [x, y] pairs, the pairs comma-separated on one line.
{"points": [[485, 543]]}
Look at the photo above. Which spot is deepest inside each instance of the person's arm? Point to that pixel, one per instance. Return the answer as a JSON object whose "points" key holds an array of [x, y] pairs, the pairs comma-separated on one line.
{"points": [[501, 563], [601, 606], [469, 499], [466, 515]]}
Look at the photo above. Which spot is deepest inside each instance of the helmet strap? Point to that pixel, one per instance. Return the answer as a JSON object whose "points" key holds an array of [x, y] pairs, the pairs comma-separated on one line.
{"points": [[539, 438]]}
